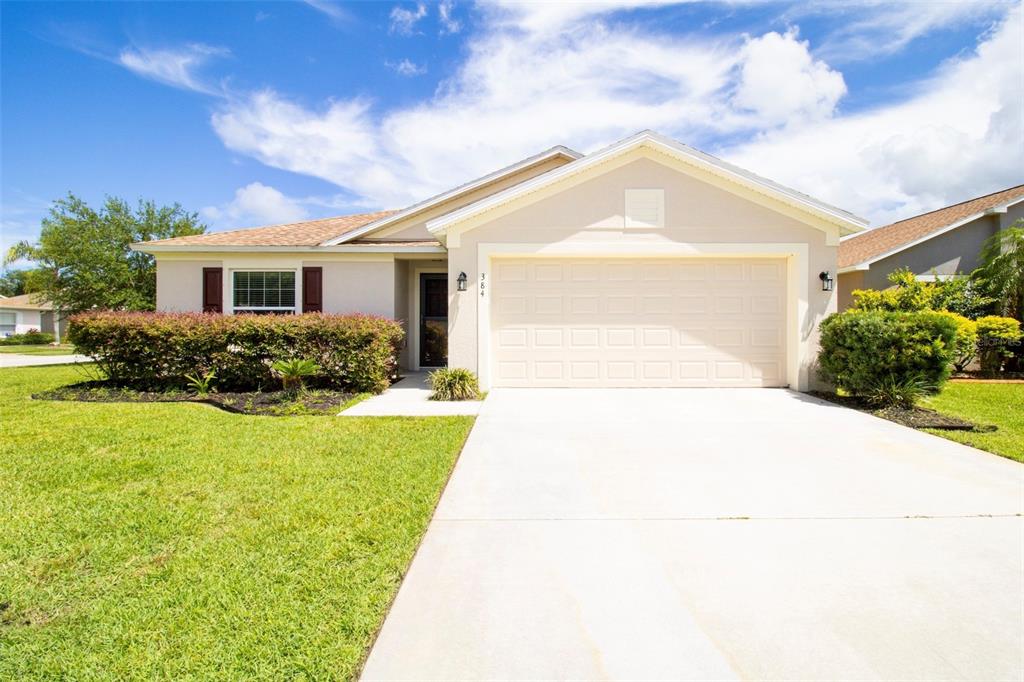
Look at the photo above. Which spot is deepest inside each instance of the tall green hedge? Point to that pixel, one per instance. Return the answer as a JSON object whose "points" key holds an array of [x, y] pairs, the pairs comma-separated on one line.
{"points": [[157, 350], [861, 350]]}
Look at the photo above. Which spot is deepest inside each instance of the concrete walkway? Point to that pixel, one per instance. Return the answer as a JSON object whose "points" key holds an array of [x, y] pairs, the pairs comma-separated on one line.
{"points": [[713, 535], [17, 360], [410, 397]]}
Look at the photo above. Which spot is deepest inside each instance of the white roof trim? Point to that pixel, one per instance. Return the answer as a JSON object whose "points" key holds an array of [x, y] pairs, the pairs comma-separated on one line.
{"points": [[1001, 208], [342, 248], [845, 220], [452, 193]]}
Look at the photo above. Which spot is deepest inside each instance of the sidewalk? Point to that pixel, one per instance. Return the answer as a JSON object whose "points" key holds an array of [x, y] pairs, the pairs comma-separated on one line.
{"points": [[409, 397], [16, 360]]}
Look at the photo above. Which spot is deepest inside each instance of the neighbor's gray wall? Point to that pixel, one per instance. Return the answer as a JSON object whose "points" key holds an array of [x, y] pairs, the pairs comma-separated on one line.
{"points": [[1012, 215], [955, 252]]}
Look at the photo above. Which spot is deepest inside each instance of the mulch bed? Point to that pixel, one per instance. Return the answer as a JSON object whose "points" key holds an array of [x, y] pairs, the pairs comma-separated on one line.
{"points": [[265, 403], [915, 418]]}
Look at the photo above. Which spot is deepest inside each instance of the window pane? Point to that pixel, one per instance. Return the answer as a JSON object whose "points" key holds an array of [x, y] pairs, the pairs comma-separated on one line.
{"points": [[264, 290]]}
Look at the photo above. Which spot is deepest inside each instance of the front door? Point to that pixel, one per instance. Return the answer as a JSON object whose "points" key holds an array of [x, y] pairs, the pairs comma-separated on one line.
{"points": [[433, 319]]}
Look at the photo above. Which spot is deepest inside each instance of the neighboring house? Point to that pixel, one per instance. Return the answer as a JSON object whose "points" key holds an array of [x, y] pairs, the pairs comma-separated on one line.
{"points": [[941, 243], [28, 312], [647, 263]]}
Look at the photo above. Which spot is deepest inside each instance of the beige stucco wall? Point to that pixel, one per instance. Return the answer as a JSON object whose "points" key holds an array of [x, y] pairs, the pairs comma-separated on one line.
{"points": [[179, 284], [402, 314], [592, 212], [358, 287], [351, 283], [415, 227]]}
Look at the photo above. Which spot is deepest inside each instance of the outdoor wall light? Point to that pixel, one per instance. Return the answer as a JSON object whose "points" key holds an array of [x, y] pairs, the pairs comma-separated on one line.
{"points": [[462, 281], [826, 280]]}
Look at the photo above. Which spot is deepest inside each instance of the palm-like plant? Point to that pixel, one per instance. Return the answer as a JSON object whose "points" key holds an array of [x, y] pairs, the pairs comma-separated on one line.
{"points": [[294, 372], [1001, 274]]}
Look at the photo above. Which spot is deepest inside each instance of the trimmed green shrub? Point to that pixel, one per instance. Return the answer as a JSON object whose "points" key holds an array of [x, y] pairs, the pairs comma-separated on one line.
{"points": [[965, 346], [33, 337], [454, 383], [996, 336], [908, 294], [864, 350], [159, 350]]}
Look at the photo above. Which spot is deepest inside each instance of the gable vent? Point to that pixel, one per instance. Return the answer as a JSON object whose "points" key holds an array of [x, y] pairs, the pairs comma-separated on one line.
{"points": [[645, 208]]}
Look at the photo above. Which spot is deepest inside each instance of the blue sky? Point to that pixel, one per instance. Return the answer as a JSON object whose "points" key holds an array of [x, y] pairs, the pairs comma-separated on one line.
{"points": [[254, 113]]}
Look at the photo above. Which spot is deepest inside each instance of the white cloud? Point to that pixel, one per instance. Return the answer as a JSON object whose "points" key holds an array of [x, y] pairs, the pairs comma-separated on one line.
{"points": [[516, 94], [589, 83], [782, 83], [449, 24], [403, 21], [255, 204], [407, 68], [331, 9], [868, 29], [177, 67], [550, 17], [957, 135]]}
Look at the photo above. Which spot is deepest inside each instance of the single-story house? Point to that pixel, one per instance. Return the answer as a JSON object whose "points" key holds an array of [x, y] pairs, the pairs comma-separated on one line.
{"points": [[29, 312], [942, 243], [646, 263]]}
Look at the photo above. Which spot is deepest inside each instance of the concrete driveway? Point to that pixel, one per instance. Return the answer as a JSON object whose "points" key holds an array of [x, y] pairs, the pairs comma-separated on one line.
{"points": [[712, 535]]}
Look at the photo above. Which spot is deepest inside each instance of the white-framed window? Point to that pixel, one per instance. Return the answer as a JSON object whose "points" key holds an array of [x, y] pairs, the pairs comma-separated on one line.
{"points": [[645, 208], [8, 323], [263, 291]]}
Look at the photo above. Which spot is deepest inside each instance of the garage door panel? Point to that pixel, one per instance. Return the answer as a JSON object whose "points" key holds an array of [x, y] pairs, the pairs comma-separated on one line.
{"points": [[637, 322]]}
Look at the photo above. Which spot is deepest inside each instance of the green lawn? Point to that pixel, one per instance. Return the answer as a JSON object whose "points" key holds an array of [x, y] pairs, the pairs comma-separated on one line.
{"points": [[176, 540], [38, 349], [999, 404]]}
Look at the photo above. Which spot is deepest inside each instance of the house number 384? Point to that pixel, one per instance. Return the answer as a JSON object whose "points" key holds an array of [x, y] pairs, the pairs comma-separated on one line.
{"points": [[483, 282]]}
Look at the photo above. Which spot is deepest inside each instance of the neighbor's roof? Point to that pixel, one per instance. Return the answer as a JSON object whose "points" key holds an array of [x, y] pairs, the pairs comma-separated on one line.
{"points": [[305, 233], [884, 241], [26, 302]]}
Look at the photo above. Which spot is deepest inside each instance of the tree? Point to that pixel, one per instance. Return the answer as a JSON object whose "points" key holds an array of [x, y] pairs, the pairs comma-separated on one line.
{"points": [[1001, 275], [18, 282], [83, 255]]}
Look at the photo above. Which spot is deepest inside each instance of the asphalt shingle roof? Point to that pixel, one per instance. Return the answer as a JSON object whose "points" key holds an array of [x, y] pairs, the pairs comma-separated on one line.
{"points": [[873, 243], [305, 233]]}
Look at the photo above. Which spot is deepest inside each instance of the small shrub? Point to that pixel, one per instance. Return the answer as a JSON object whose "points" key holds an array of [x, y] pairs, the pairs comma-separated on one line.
{"points": [[996, 337], [893, 391], [454, 383], [863, 351], [202, 384], [154, 351], [965, 345], [32, 337], [294, 372]]}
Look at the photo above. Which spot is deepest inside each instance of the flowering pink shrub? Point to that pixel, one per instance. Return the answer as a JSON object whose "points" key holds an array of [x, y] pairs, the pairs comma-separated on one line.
{"points": [[154, 350]]}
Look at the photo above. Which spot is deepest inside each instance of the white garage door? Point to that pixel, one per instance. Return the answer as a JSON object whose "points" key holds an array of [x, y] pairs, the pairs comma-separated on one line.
{"points": [[638, 322]]}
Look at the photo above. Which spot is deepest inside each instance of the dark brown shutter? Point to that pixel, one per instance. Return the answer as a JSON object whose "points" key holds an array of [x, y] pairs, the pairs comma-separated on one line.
{"points": [[213, 290], [312, 290]]}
